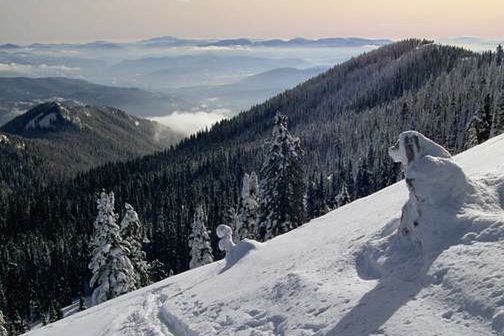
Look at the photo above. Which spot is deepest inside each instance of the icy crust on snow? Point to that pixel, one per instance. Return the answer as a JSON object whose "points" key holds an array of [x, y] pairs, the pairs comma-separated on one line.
{"points": [[348, 273]]}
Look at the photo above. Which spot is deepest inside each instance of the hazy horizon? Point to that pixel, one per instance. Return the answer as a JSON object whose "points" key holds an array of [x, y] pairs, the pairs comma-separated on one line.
{"points": [[217, 38]]}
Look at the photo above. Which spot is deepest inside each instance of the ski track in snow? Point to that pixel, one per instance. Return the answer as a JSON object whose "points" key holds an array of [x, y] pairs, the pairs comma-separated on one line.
{"points": [[311, 282]]}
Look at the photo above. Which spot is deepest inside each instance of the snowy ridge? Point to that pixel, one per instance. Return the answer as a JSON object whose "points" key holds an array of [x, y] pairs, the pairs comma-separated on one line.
{"points": [[41, 121], [48, 119], [328, 276]]}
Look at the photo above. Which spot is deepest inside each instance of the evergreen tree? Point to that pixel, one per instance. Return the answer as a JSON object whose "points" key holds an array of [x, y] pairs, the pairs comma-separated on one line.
{"points": [[113, 273], [132, 232], [157, 271], [473, 132], [486, 119], [18, 324], [55, 312], [498, 121], [199, 240], [249, 207], [499, 55], [82, 302], [3, 330], [316, 204], [350, 180], [282, 183], [405, 113], [311, 199], [232, 219], [343, 197], [363, 181], [323, 208]]}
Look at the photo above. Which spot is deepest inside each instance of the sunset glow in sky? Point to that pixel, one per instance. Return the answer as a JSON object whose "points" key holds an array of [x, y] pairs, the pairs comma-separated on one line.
{"points": [[23, 21]]}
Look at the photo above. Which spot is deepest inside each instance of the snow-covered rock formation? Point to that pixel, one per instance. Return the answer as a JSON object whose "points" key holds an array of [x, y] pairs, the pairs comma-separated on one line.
{"points": [[348, 273], [437, 186], [438, 212], [225, 233]]}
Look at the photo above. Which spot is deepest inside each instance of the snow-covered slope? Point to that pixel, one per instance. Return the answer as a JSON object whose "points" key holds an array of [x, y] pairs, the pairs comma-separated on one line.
{"points": [[313, 280]]}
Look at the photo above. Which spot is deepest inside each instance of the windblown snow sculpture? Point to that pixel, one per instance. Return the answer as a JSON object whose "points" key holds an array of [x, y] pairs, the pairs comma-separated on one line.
{"points": [[225, 233], [437, 187]]}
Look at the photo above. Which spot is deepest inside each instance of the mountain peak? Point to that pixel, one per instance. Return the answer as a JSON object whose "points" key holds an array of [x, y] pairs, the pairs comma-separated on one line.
{"points": [[51, 116]]}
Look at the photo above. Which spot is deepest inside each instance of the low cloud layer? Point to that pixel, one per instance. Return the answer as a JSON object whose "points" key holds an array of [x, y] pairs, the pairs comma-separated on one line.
{"points": [[191, 122], [38, 70]]}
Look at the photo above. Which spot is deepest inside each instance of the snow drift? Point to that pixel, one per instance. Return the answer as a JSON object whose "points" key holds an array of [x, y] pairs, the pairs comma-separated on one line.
{"points": [[424, 258]]}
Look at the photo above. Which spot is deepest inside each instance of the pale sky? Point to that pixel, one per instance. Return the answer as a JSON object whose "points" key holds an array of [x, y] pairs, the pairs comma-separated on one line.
{"points": [[25, 21]]}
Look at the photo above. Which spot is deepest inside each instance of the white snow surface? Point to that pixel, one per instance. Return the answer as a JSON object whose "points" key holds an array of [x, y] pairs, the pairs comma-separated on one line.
{"points": [[322, 278]]}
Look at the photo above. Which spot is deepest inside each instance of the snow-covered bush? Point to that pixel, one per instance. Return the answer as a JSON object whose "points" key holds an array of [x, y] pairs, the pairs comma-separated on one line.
{"points": [[225, 233]]}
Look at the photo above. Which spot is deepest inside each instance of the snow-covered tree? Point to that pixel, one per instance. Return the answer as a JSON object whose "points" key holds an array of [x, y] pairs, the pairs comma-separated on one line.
{"points": [[199, 240], [316, 204], [82, 302], [282, 183], [55, 313], [473, 131], [113, 273], [480, 126], [18, 324], [247, 227], [132, 232], [363, 181], [343, 196], [486, 117], [3, 330], [498, 120], [232, 219], [499, 55], [157, 270]]}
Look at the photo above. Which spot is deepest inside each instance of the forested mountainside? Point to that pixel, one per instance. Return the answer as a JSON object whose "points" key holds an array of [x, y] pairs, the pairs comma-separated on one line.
{"points": [[53, 141], [345, 118], [353, 272]]}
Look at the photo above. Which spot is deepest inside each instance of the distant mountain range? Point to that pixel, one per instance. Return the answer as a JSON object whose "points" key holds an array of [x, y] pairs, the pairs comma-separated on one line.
{"points": [[193, 70], [250, 90], [280, 78], [170, 41], [295, 42], [20, 93]]}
